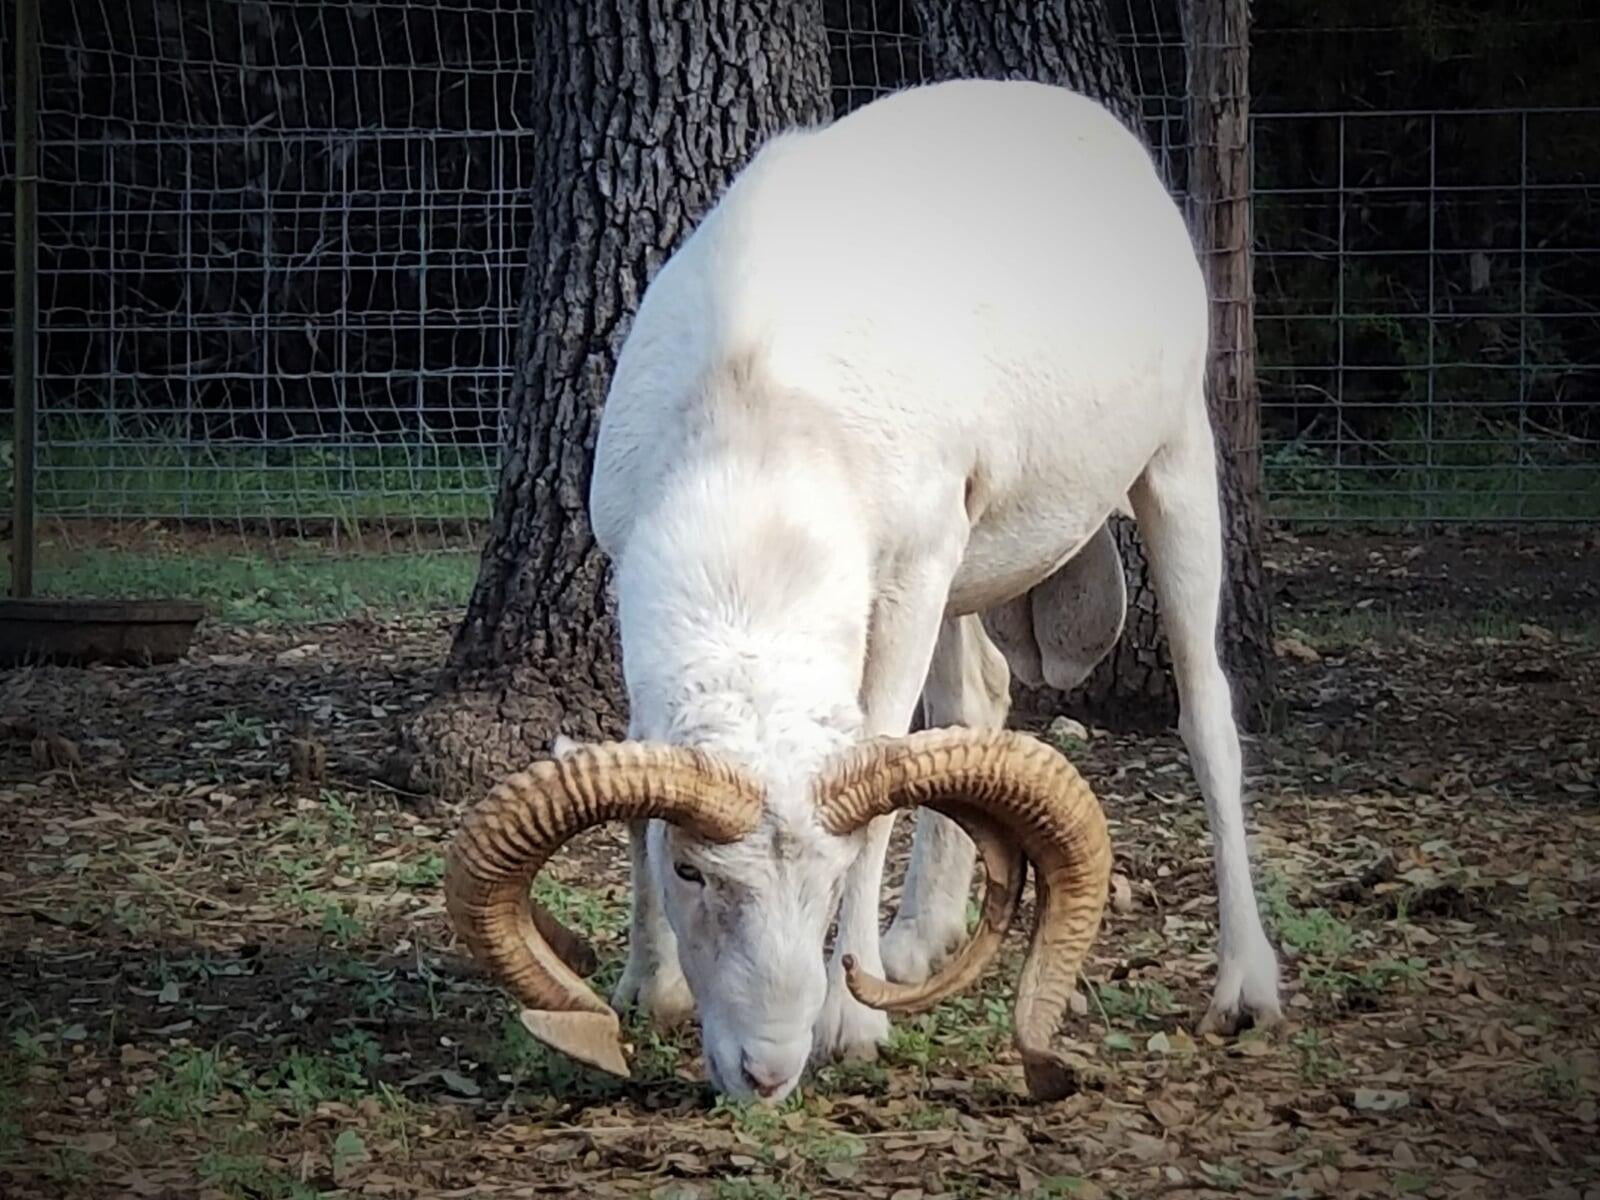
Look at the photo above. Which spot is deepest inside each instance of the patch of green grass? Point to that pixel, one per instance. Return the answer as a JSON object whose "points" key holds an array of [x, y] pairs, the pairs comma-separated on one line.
{"points": [[328, 914], [28, 1047], [961, 1030], [853, 1076], [1542, 905], [252, 588], [530, 1063], [309, 831], [375, 989], [239, 729], [127, 465], [911, 1043], [298, 869], [239, 1169], [348, 1149], [1327, 947], [198, 968], [344, 927], [1331, 629], [763, 1122], [1370, 981], [750, 1189], [926, 1116], [832, 1147], [132, 918], [422, 873], [191, 1079], [515, 1051], [975, 1025], [1475, 475], [1143, 1001], [657, 1053], [1562, 1080], [68, 1167], [341, 816], [307, 1080], [301, 1079], [1319, 1059], [578, 908], [1224, 1176], [1314, 933], [1057, 1187]]}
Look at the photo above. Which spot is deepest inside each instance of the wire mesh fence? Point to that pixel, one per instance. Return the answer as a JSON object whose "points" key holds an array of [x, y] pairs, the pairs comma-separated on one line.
{"points": [[279, 250], [1429, 313], [281, 245]]}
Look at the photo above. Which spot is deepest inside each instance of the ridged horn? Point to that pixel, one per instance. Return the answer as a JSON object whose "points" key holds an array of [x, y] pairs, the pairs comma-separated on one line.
{"points": [[1001, 787], [508, 836]]}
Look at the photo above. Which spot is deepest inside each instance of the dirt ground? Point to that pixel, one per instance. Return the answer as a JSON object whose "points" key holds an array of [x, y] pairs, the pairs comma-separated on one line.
{"points": [[221, 982]]}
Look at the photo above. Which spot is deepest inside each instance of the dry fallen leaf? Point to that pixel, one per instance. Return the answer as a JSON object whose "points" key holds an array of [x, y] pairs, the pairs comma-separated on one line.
{"points": [[52, 752], [1293, 647]]}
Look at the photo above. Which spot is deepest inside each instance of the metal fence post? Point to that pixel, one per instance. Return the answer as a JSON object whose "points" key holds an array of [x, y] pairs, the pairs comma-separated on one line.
{"points": [[24, 376]]}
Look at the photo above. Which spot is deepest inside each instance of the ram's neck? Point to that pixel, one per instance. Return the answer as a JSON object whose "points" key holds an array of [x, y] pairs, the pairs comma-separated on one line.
{"points": [[743, 602]]}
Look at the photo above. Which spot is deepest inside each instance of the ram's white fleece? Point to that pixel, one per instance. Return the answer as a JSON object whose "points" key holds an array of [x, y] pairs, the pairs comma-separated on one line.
{"points": [[900, 374]]}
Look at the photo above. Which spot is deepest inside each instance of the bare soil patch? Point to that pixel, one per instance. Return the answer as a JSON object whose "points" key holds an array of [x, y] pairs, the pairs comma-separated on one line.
{"points": [[224, 981]]}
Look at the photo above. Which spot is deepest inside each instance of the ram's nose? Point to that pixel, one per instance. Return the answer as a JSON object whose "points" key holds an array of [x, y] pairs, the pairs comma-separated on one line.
{"points": [[772, 1071]]}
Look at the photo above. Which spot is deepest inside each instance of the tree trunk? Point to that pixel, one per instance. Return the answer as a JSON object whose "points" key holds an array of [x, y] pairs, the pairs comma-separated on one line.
{"points": [[1218, 37], [646, 112], [1064, 42], [1070, 43]]}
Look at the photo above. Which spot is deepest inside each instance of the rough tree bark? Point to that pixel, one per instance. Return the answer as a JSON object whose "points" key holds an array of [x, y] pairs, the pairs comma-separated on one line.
{"points": [[646, 112], [1218, 37], [1070, 43]]}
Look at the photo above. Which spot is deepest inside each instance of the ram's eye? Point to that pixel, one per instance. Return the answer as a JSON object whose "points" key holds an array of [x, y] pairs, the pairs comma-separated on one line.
{"points": [[689, 874]]}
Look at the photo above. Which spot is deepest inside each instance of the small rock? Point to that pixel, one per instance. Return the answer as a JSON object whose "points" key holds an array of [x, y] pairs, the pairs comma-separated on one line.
{"points": [[1380, 1099], [1063, 728]]}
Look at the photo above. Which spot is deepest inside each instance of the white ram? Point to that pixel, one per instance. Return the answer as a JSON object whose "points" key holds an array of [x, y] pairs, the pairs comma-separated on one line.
{"points": [[885, 395]]}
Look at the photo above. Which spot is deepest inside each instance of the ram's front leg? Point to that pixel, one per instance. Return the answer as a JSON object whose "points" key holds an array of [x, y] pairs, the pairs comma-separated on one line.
{"points": [[652, 982], [968, 684], [905, 625]]}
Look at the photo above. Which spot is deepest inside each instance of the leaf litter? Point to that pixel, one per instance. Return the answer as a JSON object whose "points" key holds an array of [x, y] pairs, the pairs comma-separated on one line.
{"points": [[228, 970]]}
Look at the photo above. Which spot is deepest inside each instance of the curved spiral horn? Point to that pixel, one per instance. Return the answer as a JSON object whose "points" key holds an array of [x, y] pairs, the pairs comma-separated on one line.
{"points": [[1005, 786], [511, 833]]}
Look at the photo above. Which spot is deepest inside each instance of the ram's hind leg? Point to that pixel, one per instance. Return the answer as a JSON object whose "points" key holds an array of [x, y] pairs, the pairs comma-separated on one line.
{"points": [[968, 684], [1176, 505]]}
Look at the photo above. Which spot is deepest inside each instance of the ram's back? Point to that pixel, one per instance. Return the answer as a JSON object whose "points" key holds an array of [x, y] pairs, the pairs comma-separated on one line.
{"points": [[970, 273]]}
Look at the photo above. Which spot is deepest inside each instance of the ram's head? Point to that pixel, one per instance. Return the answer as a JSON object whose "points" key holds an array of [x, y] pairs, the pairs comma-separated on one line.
{"points": [[753, 951]]}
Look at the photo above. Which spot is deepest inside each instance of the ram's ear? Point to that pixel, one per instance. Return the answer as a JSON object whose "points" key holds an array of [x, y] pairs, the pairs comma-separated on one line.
{"points": [[563, 746]]}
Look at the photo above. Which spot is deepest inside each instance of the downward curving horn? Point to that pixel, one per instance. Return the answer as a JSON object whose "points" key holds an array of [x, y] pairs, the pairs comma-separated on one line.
{"points": [[1014, 796], [512, 832]]}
